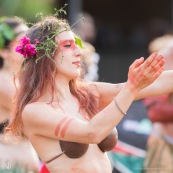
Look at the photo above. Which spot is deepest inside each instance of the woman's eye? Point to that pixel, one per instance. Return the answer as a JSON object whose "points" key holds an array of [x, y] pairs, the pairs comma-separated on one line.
{"points": [[67, 45]]}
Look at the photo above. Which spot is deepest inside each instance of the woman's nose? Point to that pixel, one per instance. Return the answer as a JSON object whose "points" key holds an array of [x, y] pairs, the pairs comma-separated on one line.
{"points": [[78, 52]]}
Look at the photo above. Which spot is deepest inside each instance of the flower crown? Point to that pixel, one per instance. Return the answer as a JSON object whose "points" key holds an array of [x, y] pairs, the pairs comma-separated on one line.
{"points": [[29, 50]]}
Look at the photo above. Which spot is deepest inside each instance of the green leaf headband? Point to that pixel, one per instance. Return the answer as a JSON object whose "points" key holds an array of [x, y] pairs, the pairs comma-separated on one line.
{"points": [[6, 33], [29, 50]]}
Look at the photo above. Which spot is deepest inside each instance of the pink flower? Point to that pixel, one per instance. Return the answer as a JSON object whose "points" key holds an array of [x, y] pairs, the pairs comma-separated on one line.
{"points": [[27, 49], [25, 40], [30, 50], [37, 41], [19, 49]]}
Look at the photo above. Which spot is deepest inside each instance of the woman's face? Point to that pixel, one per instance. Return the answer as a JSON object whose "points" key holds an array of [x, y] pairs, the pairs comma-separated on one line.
{"points": [[68, 56]]}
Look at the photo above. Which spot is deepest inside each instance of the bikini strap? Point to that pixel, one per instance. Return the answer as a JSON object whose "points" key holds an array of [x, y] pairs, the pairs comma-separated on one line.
{"points": [[54, 157]]}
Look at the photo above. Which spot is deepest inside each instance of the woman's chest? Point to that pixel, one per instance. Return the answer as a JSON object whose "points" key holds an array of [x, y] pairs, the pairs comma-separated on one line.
{"points": [[94, 161]]}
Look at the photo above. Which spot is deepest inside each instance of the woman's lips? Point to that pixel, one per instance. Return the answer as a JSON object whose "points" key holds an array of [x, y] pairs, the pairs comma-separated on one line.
{"points": [[77, 63]]}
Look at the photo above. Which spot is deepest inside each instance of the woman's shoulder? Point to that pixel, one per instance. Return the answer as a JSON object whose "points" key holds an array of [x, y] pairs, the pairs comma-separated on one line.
{"points": [[36, 111], [38, 115]]}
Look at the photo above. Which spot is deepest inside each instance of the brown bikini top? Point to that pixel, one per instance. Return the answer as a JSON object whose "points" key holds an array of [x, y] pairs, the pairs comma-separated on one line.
{"points": [[77, 150]]}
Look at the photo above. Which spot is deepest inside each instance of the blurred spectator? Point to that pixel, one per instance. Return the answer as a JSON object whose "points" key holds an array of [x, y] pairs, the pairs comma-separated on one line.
{"points": [[21, 157], [159, 156], [91, 60], [86, 29]]}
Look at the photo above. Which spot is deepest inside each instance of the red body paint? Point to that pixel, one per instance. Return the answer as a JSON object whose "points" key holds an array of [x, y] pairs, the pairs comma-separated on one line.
{"points": [[69, 43], [65, 127], [59, 125]]}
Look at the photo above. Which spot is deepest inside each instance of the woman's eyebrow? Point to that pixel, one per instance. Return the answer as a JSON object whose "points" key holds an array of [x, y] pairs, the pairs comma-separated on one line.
{"points": [[63, 41]]}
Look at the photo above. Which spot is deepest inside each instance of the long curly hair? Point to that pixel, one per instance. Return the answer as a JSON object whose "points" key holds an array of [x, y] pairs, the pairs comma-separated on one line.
{"points": [[33, 78]]}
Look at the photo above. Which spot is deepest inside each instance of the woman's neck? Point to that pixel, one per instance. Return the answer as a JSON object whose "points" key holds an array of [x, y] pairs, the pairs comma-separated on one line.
{"points": [[61, 92]]}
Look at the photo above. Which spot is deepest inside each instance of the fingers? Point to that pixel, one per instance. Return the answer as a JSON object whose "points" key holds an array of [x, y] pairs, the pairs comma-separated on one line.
{"points": [[150, 60], [137, 63], [143, 73], [157, 63], [159, 67], [159, 72]]}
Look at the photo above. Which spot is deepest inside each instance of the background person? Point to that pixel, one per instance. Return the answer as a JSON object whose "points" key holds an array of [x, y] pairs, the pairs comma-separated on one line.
{"points": [[159, 156], [19, 157]]}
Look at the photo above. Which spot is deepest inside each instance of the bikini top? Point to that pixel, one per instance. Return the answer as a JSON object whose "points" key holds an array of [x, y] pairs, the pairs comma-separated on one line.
{"points": [[77, 150]]}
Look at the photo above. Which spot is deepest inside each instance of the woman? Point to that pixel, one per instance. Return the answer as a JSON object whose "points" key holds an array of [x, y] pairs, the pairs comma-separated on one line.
{"points": [[16, 157], [71, 123]]}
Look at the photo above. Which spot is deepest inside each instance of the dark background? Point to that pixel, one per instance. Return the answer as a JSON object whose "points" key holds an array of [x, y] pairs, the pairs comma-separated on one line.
{"points": [[124, 30]]}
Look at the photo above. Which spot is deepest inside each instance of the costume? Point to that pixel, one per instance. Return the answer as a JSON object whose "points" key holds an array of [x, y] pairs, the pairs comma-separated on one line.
{"points": [[159, 156], [76, 150]]}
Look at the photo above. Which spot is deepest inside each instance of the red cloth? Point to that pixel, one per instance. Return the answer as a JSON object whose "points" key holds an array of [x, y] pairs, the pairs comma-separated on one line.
{"points": [[44, 169], [160, 109]]}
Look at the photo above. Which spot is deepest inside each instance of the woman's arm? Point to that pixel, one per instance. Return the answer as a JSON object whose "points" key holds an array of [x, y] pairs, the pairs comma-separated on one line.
{"points": [[162, 85], [40, 120], [107, 92]]}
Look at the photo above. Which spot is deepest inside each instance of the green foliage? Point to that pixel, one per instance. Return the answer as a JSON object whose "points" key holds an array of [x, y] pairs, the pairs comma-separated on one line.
{"points": [[78, 41], [27, 9], [6, 33]]}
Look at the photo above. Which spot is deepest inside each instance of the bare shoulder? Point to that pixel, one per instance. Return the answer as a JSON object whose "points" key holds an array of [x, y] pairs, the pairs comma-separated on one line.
{"points": [[30, 110], [40, 119], [37, 112], [37, 108]]}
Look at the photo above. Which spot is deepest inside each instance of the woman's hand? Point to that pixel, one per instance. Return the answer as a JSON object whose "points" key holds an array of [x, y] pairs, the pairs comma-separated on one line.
{"points": [[143, 73]]}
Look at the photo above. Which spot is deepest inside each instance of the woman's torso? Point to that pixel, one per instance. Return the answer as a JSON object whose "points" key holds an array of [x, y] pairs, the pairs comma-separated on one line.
{"points": [[92, 160]]}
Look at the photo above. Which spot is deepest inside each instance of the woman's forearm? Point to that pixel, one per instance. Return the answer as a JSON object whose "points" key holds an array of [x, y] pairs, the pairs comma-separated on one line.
{"points": [[162, 85]]}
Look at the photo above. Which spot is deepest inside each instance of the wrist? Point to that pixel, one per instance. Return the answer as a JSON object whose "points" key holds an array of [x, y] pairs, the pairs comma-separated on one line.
{"points": [[119, 108], [132, 89]]}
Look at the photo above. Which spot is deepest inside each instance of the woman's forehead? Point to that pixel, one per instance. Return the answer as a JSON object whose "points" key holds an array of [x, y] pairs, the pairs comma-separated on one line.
{"points": [[64, 36]]}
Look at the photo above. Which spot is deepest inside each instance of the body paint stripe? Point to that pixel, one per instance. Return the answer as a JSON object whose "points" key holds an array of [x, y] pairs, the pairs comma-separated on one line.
{"points": [[62, 133], [59, 125]]}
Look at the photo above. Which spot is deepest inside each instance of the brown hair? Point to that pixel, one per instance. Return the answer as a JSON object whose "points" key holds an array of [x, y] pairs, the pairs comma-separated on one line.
{"points": [[33, 78]]}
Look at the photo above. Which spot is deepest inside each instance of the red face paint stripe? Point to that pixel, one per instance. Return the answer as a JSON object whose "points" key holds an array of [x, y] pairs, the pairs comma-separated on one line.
{"points": [[59, 125], [62, 133]]}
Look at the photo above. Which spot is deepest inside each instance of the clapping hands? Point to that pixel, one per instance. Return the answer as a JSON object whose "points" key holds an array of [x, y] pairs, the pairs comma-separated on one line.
{"points": [[144, 72]]}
